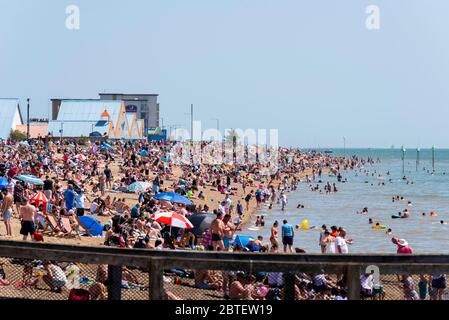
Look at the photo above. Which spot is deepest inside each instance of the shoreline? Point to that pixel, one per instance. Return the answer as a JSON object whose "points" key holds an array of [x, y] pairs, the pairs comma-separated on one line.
{"points": [[247, 218]]}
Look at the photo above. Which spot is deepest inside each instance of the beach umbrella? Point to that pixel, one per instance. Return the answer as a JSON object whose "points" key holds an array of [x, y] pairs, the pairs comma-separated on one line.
{"points": [[24, 144], [173, 197], [172, 219], [92, 225], [40, 199], [201, 222], [144, 153], [139, 186], [106, 147], [30, 179], [242, 240], [3, 183]]}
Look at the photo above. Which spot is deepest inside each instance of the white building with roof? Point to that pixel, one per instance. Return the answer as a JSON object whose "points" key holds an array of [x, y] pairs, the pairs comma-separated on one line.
{"points": [[78, 118], [10, 116]]}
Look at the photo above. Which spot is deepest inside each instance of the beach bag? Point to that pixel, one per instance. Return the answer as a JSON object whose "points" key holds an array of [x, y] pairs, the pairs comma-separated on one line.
{"points": [[79, 295], [38, 237]]}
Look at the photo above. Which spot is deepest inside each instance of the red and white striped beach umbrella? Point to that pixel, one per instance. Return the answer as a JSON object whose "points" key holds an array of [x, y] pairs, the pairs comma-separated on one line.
{"points": [[172, 219], [38, 199]]}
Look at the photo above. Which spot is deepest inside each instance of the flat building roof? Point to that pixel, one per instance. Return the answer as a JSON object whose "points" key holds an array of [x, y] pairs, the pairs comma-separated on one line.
{"points": [[131, 94]]}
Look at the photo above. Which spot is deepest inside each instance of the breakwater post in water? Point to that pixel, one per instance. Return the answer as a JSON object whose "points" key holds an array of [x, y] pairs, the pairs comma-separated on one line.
{"points": [[417, 158], [403, 160], [433, 159]]}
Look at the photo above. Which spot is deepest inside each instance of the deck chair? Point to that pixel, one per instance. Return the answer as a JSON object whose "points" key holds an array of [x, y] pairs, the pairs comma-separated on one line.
{"points": [[67, 228], [42, 223], [52, 226]]}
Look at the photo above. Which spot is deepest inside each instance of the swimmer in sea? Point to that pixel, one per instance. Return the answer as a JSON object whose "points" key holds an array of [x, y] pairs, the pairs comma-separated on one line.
{"points": [[423, 214], [409, 204], [389, 231], [370, 221], [406, 214], [442, 222]]}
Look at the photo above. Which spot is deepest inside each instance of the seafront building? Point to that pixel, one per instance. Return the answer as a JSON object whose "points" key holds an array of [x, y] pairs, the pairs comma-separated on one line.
{"points": [[93, 118], [113, 115], [145, 106]]}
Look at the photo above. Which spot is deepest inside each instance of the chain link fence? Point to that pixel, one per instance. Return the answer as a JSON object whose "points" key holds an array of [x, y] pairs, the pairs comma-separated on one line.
{"points": [[45, 280], [50, 280], [140, 275]]}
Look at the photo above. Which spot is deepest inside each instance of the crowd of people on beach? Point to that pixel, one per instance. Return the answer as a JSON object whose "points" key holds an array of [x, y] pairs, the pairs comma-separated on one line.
{"points": [[84, 179]]}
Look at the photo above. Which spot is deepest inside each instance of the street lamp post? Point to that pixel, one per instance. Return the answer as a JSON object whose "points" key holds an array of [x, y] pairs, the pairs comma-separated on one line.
{"points": [[28, 118], [191, 122], [62, 130]]}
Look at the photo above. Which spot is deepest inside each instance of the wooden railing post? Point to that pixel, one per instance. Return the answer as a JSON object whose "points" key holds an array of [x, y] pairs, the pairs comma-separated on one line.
{"points": [[289, 286], [114, 283], [156, 288], [353, 274]]}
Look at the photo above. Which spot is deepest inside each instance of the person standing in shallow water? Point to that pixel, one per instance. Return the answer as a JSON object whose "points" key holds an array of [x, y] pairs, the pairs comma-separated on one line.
{"points": [[274, 234], [322, 244], [287, 236]]}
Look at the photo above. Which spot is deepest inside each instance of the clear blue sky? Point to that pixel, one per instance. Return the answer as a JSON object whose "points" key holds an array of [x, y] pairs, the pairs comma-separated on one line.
{"points": [[309, 68]]}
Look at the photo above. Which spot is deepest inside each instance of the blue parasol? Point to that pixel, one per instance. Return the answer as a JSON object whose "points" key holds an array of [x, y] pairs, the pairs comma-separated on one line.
{"points": [[106, 147], [30, 179], [144, 153], [92, 225], [174, 198], [3, 183], [242, 240]]}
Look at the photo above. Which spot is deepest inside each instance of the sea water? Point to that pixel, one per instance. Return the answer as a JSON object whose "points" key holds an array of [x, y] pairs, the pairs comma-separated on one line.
{"points": [[429, 192]]}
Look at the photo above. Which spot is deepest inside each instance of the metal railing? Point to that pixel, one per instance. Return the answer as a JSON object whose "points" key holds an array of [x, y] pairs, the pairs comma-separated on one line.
{"points": [[154, 263]]}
